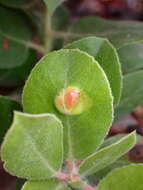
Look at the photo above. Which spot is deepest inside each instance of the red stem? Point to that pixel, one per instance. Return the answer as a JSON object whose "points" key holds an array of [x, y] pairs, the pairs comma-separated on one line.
{"points": [[88, 187]]}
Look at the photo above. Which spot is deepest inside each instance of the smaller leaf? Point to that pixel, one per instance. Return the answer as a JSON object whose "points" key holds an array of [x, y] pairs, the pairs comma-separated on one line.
{"points": [[131, 57], [33, 147], [113, 139], [109, 141], [45, 185], [132, 93], [107, 155], [126, 178], [52, 5], [7, 106]]}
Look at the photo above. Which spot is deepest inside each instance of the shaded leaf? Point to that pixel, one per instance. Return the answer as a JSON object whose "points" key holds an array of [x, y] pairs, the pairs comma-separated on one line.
{"points": [[34, 143], [123, 161], [15, 3], [45, 185], [131, 57], [132, 93], [127, 178], [13, 33], [107, 155], [19, 183], [7, 106], [118, 32], [17, 76], [107, 57], [55, 72]]}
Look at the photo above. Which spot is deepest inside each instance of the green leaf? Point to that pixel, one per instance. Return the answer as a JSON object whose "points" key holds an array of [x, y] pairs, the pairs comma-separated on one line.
{"points": [[118, 32], [127, 178], [107, 155], [52, 5], [7, 106], [107, 57], [14, 33], [114, 139], [132, 94], [15, 3], [17, 76], [84, 132], [123, 161], [33, 147], [45, 185], [131, 57]]}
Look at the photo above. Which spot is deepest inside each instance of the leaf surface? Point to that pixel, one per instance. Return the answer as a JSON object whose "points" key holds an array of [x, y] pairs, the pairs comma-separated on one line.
{"points": [[131, 57], [123, 161], [106, 55], [33, 147], [126, 178], [14, 32], [17, 76], [132, 93], [44, 185], [83, 133], [107, 155], [118, 32]]}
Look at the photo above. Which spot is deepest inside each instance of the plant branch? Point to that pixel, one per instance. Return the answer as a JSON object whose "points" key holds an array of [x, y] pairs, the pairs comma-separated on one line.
{"points": [[28, 44], [59, 34], [37, 47], [88, 187]]}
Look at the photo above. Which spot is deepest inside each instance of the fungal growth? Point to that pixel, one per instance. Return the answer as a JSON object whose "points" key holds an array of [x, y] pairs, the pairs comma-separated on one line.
{"points": [[70, 101]]}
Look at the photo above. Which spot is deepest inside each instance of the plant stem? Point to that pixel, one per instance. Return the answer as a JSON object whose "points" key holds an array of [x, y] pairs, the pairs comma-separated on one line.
{"points": [[37, 47], [28, 44], [88, 187], [47, 31], [59, 34]]}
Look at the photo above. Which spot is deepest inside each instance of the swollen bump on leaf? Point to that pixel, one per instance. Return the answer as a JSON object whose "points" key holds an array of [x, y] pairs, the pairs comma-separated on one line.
{"points": [[70, 101]]}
